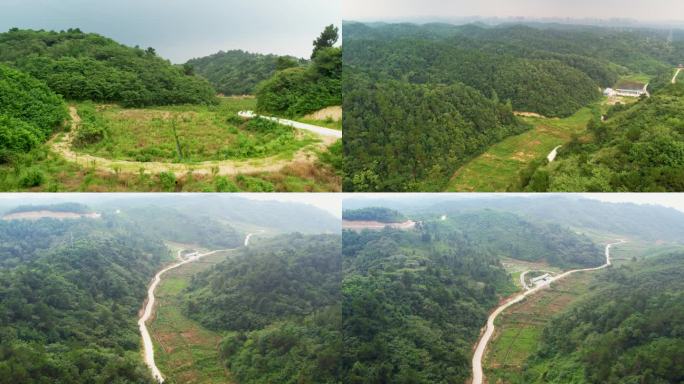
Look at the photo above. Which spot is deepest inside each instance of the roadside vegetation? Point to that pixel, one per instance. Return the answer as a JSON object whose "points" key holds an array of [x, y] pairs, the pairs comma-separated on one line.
{"points": [[383, 215], [402, 138]]}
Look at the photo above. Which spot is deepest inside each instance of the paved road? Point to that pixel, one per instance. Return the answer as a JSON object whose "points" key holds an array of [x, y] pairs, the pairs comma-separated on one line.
{"points": [[327, 132], [674, 78], [148, 347], [478, 375], [552, 156]]}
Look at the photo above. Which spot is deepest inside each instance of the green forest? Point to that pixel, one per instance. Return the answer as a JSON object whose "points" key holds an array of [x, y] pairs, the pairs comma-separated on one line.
{"points": [[640, 148], [69, 294], [297, 90], [405, 133], [414, 301], [87, 66], [383, 215], [628, 330], [279, 303], [238, 72]]}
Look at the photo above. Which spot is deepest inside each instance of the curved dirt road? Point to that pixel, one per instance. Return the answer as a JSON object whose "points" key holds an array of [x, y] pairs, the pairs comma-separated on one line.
{"points": [[478, 376], [63, 147], [552, 156], [148, 347]]}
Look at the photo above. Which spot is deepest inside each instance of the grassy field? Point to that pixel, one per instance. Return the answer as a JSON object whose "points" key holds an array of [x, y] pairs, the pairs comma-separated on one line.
{"points": [[498, 168], [185, 352], [192, 133], [635, 77], [519, 329]]}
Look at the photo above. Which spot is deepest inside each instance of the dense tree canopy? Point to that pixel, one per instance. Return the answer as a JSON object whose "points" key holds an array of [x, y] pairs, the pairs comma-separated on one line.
{"points": [[296, 91], [281, 299], [238, 72], [403, 137], [69, 294], [414, 301], [84, 66], [629, 330], [383, 215], [29, 112], [639, 148]]}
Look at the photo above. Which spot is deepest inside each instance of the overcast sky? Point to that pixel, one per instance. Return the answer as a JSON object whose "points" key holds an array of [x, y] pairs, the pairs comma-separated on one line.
{"points": [[182, 29], [670, 200], [329, 202], [644, 10]]}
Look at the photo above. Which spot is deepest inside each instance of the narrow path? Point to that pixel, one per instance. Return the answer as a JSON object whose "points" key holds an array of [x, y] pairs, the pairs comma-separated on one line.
{"points": [[552, 156], [674, 78], [295, 124], [64, 145], [478, 375], [148, 347]]}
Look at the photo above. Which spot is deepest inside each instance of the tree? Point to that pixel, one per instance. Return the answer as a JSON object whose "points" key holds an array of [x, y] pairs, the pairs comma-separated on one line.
{"points": [[327, 39]]}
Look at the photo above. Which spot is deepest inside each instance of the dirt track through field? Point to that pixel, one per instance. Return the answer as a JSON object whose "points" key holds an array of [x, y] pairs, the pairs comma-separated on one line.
{"points": [[63, 147]]}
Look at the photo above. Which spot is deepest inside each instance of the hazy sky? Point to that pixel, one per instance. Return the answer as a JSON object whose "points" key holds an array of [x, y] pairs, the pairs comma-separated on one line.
{"points": [[644, 10], [330, 202], [671, 200], [183, 29]]}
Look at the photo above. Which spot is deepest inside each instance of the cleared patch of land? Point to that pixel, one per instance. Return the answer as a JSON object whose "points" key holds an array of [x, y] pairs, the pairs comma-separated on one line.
{"points": [[185, 351], [519, 328], [498, 168]]}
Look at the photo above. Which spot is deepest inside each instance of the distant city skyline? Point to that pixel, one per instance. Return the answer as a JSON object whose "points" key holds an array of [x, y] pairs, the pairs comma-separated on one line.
{"points": [[654, 11], [182, 29]]}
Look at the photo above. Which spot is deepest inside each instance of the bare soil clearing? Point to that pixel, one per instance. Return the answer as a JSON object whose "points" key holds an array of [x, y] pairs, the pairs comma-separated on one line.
{"points": [[333, 113]]}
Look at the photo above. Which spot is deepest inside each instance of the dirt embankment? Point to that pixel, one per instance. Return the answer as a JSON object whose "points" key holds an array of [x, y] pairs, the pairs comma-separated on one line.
{"points": [[360, 225], [332, 113]]}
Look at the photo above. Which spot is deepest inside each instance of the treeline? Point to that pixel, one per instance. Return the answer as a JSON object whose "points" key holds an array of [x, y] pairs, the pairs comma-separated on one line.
{"points": [[626, 331], [383, 215], [29, 113], [69, 294], [411, 137], [298, 90], [82, 66], [640, 148], [64, 207], [279, 300], [238, 72]]}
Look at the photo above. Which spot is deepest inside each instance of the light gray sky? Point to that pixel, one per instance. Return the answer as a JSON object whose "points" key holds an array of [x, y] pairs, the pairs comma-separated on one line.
{"points": [[329, 202], [182, 29], [671, 200], [643, 10]]}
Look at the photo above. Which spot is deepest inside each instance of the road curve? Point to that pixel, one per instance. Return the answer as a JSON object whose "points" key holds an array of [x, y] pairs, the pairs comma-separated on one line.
{"points": [[478, 376], [148, 347], [674, 78], [552, 156], [295, 124]]}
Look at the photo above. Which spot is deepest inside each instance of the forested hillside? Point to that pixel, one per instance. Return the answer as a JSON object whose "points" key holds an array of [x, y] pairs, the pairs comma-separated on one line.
{"points": [[411, 137], [69, 294], [396, 110], [298, 90], [639, 148], [383, 215], [414, 301], [627, 331], [87, 66], [238, 72], [29, 113], [279, 301]]}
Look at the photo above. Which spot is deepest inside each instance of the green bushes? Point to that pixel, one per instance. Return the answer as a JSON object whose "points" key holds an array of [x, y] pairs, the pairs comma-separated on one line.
{"points": [[29, 113], [91, 67]]}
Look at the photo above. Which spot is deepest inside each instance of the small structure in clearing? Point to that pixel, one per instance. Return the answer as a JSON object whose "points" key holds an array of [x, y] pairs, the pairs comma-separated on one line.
{"points": [[627, 88], [539, 280]]}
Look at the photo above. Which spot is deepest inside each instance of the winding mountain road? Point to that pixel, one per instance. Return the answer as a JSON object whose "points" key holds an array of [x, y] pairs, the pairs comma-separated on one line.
{"points": [[552, 156], [64, 147], [674, 78], [478, 375], [148, 346]]}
